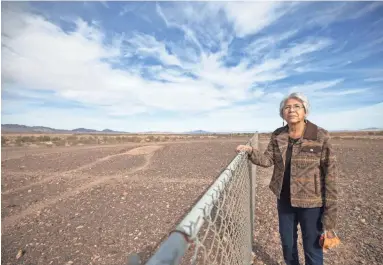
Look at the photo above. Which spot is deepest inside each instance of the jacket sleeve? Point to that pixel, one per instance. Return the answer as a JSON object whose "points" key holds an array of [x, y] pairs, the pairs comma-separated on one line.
{"points": [[265, 159], [330, 172]]}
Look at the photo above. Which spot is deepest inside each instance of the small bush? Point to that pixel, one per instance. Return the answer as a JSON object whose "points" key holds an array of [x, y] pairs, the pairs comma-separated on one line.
{"points": [[44, 138], [150, 138], [4, 140], [72, 138], [19, 141], [59, 142], [134, 139], [87, 140]]}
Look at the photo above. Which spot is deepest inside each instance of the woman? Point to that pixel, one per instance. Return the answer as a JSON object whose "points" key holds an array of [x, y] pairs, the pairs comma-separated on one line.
{"points": [[304, 180]]}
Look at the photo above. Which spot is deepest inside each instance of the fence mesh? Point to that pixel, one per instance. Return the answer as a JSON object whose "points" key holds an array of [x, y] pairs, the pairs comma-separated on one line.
{"points": [[225, 236], [219, 228]]}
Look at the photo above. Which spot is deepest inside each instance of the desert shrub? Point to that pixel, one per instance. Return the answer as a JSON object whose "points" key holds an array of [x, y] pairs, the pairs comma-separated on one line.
{"points": [[55, 139], [59, 142], [134, 139], [125, 139], [27, 139], [150, 138], [19, 141], [4, 140], [44, 138], [88, 140], [72, 138]]}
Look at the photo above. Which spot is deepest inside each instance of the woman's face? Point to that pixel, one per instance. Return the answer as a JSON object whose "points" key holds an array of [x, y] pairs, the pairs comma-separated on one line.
{"points": [[293, 111]]}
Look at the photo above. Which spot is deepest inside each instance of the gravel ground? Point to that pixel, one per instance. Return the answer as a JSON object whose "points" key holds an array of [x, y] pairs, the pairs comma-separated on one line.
{"points": [[59, 161], [211, 157], [111, 202], [100, 210]]}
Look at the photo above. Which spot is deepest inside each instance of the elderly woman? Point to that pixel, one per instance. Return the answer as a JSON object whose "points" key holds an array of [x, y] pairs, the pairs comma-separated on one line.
{"points": [[304, 180]]}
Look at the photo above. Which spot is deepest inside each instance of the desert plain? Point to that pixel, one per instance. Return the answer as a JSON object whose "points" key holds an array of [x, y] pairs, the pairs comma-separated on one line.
{"points": [[98, 202]]}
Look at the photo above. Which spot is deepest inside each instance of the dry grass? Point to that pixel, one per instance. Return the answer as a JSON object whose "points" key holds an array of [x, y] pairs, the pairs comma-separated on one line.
{"points": [[51, 140]]}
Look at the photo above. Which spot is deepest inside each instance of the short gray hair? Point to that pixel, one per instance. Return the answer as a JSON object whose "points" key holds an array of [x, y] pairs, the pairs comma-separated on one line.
{"points": [[300, 97]]}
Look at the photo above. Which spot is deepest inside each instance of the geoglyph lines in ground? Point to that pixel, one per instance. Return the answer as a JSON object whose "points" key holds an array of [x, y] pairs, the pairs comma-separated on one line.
{"points": [[144, 150], [148, 151]]}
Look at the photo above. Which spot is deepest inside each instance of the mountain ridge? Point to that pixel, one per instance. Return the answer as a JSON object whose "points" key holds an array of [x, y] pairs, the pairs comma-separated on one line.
{"points": [[19, 128]]}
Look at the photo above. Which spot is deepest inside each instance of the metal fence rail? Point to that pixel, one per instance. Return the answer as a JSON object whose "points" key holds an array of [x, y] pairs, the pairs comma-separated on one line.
{"points": [[219, 228]]}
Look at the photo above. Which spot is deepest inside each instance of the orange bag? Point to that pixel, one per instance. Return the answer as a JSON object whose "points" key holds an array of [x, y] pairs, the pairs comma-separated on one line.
{"points": [[328, 243]]}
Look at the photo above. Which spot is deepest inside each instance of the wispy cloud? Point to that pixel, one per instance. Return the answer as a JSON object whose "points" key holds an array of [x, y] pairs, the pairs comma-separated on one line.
{"points": [[314, 87], [197, 65], [251, 17], [374, 79]]}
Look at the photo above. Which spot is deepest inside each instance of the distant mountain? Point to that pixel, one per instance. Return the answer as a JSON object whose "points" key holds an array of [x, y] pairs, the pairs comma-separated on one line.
{"points": [[198, 132], [84, 130], [372, 129], [17, 128]]}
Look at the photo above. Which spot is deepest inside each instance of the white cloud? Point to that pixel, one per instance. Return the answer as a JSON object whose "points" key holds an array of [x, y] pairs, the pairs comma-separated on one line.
{"points": [[374, 79], [326, 14], [72, 65], [315, 86], [252, 17], [146, 45], [341, 92], [201, 89], [351, 119], [268, 44]]}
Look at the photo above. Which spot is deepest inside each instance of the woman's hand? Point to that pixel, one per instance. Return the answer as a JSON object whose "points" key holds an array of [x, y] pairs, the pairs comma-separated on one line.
{"points": [[330, 234], [246, 148]]}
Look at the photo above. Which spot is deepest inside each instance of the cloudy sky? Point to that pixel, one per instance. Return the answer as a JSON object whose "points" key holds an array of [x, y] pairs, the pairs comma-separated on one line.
{"points": [[180, 66]]}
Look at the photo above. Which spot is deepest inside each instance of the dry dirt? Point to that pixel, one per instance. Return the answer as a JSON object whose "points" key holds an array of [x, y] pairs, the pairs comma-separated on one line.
{"points": [[96, 205]]}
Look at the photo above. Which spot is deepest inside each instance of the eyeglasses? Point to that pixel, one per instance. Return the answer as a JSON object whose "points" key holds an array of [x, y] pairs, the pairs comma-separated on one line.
{"points": [[294, 107]]}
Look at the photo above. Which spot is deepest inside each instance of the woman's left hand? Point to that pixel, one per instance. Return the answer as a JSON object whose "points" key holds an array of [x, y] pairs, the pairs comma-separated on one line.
{"points": [[330, 234]]}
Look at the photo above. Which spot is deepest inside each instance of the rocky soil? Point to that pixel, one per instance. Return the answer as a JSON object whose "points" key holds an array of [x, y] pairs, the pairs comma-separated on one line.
{"points": [[97, 205]]}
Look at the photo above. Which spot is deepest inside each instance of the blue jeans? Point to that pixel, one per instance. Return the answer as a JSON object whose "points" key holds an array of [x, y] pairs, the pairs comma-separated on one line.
{"points": [[311, 226]]}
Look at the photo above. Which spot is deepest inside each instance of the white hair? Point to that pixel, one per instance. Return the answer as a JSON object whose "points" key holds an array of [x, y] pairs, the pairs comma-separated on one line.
{"points": [[296, 95]]}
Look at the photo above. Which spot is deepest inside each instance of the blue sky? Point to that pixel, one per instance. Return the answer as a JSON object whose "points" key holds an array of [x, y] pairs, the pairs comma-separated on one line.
{"points": [[180, 66]]}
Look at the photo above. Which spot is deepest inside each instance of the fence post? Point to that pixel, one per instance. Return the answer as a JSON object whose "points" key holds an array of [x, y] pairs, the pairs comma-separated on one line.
{"points": [[253, 186], [171, 251], [134, 259]]}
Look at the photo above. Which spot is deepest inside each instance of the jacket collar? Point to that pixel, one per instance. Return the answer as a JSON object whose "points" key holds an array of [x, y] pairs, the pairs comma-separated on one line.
{"points": [[310, 134], [311, 131]]}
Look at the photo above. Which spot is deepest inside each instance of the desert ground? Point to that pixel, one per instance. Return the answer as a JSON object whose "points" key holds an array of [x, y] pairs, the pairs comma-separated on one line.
{"points": [[98, 203]]}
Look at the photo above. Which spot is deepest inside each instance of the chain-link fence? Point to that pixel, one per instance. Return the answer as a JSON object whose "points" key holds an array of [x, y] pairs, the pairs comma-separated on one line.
{"points": [[219, 228]]}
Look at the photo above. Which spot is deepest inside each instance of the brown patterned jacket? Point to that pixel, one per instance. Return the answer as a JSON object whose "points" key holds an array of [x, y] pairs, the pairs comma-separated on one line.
{"points": [[314, 170]]}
